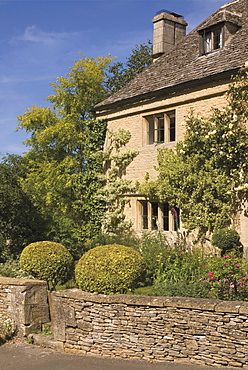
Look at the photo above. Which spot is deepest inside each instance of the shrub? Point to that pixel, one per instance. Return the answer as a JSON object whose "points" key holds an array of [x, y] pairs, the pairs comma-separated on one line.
{"points": [[109, 269], [155, 250], [226, 276], [194, 289], [11, 268], [48, 261], [226, 240]]}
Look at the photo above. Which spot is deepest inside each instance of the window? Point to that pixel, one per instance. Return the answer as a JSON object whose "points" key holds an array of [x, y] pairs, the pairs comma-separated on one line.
{"points": [[158, 216], [212, 40], [161, 128]]}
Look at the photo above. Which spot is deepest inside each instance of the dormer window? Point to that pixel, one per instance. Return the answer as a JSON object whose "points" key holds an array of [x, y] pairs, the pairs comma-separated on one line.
{"points": [[212, 39]]}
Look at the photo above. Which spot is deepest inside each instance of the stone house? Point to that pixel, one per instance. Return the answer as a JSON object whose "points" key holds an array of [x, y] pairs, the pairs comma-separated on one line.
{"points": [[189, 71]]}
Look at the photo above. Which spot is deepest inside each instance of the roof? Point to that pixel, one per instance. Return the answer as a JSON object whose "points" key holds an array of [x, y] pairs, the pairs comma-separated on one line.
{"points": [[183, 63]]}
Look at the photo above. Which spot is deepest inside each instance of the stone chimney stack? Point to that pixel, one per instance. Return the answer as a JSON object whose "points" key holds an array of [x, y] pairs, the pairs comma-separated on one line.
{"points": [[168, 28]]}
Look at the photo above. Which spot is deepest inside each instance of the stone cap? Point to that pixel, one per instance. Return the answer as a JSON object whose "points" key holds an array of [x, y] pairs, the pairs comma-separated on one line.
{"points": [[20, 281], [170, 17], [203, 304]]}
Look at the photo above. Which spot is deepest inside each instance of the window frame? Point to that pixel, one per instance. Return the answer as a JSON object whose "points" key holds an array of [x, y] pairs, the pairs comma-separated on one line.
{"points": [[155, 215], [212, 39], [160, 128]]}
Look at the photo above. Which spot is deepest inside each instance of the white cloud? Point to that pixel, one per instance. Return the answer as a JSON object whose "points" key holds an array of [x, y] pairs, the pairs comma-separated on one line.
{"points": [[34, 34], [12, 79]]}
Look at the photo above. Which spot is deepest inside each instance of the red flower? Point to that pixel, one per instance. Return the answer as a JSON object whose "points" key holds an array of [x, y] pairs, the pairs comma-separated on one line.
{"points": [[237, 265], [210, 274], [226, 257]]}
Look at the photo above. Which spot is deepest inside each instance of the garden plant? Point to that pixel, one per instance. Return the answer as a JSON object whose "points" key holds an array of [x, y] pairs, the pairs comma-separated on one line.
{"points": [[48, 261], [110, 269]]}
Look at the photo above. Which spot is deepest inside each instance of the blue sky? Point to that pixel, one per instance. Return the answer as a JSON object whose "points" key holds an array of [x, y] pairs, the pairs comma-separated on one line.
{"points": [[40, 39]]}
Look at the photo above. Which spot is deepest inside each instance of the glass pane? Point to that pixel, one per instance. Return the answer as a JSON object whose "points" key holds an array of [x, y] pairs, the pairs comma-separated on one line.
{"points": [[172, 127], [154, 215], [144, 215], [208, 43], [161, 129], [165, 210], [217, 39], [176, 217], [150, 130]]}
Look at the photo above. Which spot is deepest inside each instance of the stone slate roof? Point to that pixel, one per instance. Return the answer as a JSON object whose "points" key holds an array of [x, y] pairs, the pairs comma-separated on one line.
{"points": [[183, 63]]}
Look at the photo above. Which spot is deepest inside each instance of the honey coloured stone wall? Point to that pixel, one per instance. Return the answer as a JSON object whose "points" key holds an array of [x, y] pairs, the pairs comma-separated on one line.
{"points": [[201, 99], [199, 331]]}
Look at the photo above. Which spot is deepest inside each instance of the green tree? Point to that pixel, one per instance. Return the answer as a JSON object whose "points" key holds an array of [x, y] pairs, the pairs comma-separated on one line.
{"points": [[63, 168], [119, 74], [207, 172], [20, 221]]}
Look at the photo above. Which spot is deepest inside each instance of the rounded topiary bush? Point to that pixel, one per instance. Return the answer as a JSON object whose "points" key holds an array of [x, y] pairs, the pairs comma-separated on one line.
{"points": [[109, 269], [226, 240], [48, 261]]}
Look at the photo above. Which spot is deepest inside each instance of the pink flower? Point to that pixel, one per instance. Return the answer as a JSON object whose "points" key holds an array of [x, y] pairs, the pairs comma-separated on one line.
{"points": [[225, 264], [212, 278], [226, 257], [210, 274], [242, 283], [246, 277], [237, 265]]}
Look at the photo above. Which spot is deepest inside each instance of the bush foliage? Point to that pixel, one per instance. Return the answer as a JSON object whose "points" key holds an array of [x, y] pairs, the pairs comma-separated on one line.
{"points": [[109, 269], [226, 239], [48, 261]]}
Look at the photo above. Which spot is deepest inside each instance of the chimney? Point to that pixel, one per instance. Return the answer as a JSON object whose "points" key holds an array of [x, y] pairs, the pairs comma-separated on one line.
{"points": [[168, 28]]}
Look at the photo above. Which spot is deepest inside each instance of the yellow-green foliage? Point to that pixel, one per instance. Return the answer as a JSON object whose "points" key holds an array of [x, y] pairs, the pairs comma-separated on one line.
{"points": [[109, 269], [48, 261]]}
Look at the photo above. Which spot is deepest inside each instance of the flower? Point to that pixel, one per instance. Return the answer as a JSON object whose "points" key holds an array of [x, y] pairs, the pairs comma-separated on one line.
{"points": [[225, 264], [226, 257], [174, 212], [210, 273], [212, 278], [237, 265], [246, 277]]}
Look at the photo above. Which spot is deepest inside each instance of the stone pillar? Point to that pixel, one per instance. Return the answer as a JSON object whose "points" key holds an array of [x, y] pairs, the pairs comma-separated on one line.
{"points": [[26, 304]]}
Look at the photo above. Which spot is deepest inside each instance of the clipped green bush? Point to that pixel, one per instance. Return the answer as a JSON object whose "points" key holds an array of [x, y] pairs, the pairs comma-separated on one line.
{"points": [[48, 261], [109, 269], [226, 240]]}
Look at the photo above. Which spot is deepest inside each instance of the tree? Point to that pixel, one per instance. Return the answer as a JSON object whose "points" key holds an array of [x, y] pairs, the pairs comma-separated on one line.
{"points": [[119, 74], [20, 221], [203, 173], [63, 168]]}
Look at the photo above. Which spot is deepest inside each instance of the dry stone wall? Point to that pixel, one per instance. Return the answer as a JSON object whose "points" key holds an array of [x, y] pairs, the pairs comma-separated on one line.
{"points": [[188, 330], [198, 331]]}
